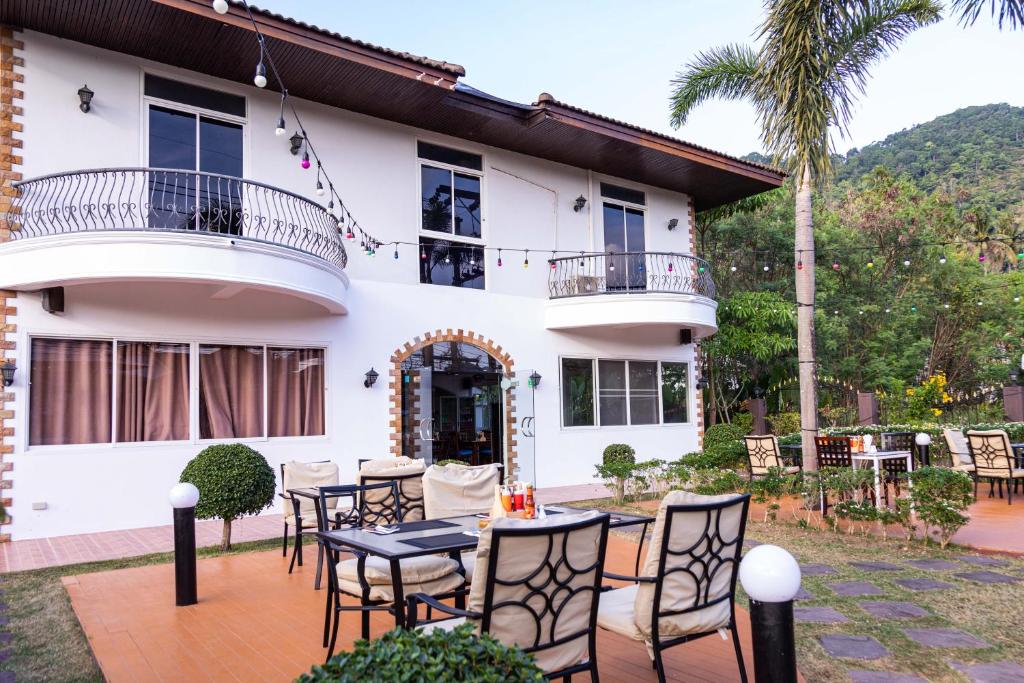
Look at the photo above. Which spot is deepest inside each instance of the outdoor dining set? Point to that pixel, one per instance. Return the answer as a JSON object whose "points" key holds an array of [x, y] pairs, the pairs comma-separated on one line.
{"points": [[981, 454], [422, 542]]}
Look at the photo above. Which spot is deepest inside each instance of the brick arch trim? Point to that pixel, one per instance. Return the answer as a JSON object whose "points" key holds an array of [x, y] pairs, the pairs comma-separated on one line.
{"points": [[449, 335]]}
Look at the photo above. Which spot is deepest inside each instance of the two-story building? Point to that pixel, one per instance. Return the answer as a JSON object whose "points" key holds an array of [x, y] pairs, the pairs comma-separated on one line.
{"points": [[173, 275]]}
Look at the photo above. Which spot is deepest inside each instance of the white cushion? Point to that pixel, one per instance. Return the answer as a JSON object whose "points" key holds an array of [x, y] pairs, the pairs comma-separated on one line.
{"points": [[616, 612], [386, 592], [444, 625], [956, 443], [455, 490], [469, 563], [963, 468], [410, 489], [414, 569], [301, 475]]}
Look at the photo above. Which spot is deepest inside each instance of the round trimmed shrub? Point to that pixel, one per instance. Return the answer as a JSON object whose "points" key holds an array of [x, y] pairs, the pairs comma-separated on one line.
{"points": [[438, 657], [233, 481], [723, 433], [619, 451]]}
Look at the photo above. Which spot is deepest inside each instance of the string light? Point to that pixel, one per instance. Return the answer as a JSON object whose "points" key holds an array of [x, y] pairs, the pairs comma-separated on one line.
{"points": [[526, 259], [281, 130], [942, 259], [670, 266], [220, 6], [396, 251], [800, 264], [553, 265], [319, 185], [765, 268], [981, 255], [260, 79], [835, 264], [305, 159], [732, 268], [499, 258], [870, 263], [906, 263], [423, 255]]}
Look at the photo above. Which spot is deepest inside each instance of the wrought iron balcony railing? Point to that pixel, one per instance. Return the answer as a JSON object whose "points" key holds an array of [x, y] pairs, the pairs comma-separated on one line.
{"points": [[635, 272], [167, 200]]}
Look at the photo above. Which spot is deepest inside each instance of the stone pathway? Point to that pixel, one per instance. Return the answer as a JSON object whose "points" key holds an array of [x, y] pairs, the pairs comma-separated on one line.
{"points": [[819, 615], [996, 672], [893, 610], [985, 576], [860, 676], [854, 589], [944, 637], [853, 647], [923, 584]]}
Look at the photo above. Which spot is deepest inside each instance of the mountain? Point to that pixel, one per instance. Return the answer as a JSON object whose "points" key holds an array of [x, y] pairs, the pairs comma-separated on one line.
{"points": [[975, 154]]}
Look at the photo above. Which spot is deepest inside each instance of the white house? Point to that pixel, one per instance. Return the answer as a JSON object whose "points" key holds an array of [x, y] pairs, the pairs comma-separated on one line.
{"points": [[154, 303]]}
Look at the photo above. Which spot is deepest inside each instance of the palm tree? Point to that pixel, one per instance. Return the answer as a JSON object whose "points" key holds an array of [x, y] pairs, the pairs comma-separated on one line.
{"points": [[1010, 11], [812, 63]]}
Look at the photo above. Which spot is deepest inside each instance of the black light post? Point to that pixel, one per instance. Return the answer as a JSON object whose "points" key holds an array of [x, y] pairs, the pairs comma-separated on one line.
{"points": [[771, 577], [184, 497], [923, 441]]}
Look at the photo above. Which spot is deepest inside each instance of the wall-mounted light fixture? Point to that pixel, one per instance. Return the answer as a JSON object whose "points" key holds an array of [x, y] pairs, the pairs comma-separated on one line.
{"points": [[534, 380], [85, 99], [371, 378], [702, 384], [672, 223], [296, 141], [7, 371], [580, 202]]}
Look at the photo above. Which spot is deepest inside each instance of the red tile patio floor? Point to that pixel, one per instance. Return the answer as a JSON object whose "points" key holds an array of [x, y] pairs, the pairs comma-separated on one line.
{"points": [[254, 621]]}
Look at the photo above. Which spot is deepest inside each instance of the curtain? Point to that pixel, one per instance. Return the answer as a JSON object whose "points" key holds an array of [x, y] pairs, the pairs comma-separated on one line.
{"points": [[70, 391], [230, 391], [152, 391], [295, 383]]}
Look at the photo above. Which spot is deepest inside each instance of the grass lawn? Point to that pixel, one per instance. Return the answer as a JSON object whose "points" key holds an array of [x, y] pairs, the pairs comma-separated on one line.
{"points": [[48, 644]]}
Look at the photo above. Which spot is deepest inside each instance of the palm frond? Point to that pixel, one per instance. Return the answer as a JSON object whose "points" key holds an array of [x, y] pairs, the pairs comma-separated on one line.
{"points": [[725, 73], [1011, 12]]}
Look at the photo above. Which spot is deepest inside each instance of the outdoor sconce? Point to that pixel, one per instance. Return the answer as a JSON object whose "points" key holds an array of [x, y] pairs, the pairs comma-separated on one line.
{"points": [[85, 97], [371, 378], [580, 202], [672, 223], [534, 380], [7, 369], [702, 384], [296, 141]]}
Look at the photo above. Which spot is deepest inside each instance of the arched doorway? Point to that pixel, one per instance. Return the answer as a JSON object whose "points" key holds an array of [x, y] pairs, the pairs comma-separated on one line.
{"points": [[449, 403]]}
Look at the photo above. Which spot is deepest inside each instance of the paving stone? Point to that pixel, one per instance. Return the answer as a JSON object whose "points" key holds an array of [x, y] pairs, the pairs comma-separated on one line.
{"points": [[853, 647], [995, 672], [937, 565], [5, 638], [818, 615], [816, 569], [6, 677], [883, 677], [923, 584], [985, 576], [877, 566], [852, 589], [944, 637], [4, 654], [803, 594], [4, 620], [893, 610], [983, 560]]}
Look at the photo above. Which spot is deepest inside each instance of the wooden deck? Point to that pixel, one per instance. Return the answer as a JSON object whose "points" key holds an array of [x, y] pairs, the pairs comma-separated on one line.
{"points": [[254, 621]]}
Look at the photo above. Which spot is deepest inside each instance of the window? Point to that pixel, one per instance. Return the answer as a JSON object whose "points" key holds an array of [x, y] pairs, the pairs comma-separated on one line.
{"points": [[104, 391], [629, 392], [624, 244], [194, 96], [623, 194], [444, 262]]}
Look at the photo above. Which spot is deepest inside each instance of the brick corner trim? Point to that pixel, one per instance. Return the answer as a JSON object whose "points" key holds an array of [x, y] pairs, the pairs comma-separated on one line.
{"points": [[449, 335], [10, 160]]}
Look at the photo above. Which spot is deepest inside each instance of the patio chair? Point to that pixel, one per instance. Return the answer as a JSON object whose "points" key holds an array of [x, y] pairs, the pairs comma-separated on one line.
{"points": [[896, 470], [763, 454], [408, 473], [300, 513], [959, 452], [835, 451], [538, 588], [454, 490], [993, 460], [367, 577], [688, 585]]}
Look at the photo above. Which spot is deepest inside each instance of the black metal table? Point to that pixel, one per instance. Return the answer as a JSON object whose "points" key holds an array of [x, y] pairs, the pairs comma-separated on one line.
{"points": [[459, 534]]}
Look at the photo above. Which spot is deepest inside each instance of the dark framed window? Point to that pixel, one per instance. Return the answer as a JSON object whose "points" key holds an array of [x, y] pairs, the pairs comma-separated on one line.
{"points": [[674, 393], [623, 194], [628, 392], [447, 155], [194, 96], [455, 264], [450, 195], [577, 392]]}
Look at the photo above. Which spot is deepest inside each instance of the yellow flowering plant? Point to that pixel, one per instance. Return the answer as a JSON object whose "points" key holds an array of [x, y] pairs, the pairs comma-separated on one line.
{"points": [[916, 404]]}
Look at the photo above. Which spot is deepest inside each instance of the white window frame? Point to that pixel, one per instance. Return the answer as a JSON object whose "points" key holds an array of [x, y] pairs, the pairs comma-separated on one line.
{"points": [[597, 393], [193, 344]]}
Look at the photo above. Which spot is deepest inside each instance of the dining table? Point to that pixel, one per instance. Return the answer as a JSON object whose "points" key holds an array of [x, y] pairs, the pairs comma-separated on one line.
{"points": [[875, 459], [449, 535]]}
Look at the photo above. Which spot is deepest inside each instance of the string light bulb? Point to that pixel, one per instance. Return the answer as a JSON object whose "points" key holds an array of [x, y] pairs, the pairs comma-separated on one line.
{"points": [[732, 268], [981, 256], [526, 259], [499, 258], [765, 268], [305, 159], [835, 265], [670, 266], [906, 263], [800, 264], [1016, 299], [280, 130], [319, 185], [260, 79], [220, 6], [396, 251], [870, 263], [423, 254], [447, 258], [942, 259]]}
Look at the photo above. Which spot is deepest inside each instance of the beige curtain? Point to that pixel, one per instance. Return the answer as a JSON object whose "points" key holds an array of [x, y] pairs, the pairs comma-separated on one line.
{"points": [[295, 383], [152, 391], [230, 391], [71, 391]]}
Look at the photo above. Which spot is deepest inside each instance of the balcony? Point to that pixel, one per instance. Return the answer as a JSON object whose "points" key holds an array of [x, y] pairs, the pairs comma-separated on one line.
{"points": [[631, 289], [145, 224]]}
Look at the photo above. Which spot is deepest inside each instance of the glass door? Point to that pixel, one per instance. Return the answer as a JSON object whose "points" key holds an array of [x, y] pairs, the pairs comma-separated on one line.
{"points": [[624, 246]]}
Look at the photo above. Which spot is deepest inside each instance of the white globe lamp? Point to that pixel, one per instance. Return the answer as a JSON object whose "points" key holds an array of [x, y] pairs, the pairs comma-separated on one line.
{"points": [[771, 577], [220, 6], [184, 495], [769, 573], [923, 439]]}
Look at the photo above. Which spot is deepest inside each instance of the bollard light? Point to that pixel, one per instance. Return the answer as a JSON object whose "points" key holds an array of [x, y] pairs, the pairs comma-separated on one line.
{"points": [[184, 497], [923, 439], [771, 577]]}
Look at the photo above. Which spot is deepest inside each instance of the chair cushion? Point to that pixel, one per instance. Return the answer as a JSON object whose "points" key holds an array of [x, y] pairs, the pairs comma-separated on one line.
{"points": [[956, 443], [414, 570], [1004, 474], [446, 625], [386, 593], [616, 612], [307, 522], [301, 475], [454, 490], [469, 563], [410, 490], [963, 468]]}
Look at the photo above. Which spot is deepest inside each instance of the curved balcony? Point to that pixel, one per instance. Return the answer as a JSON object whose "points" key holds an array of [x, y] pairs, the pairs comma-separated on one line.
{"points": [[631, 289], [170, 225]]}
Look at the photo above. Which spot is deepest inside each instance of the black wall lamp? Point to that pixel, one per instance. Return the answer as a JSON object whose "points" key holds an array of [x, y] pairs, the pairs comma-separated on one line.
{"points": [[672, 223], [534, 379], [371, 378], [296, 141], [702, 384], [85, 98], [580, 202], [7, 370]]}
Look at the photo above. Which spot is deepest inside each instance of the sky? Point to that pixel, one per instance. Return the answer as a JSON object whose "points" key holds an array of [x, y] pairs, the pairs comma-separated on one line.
{"points": [[618, 58]]}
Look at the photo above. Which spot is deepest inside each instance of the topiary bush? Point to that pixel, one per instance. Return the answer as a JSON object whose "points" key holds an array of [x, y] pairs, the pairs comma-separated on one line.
{"points": [[233, 481], [618, 451], [435, 657]]}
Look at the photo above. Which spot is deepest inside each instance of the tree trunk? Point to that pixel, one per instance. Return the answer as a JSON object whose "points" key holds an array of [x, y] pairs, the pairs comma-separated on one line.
{"points": [[804, 245], [225, 536]]}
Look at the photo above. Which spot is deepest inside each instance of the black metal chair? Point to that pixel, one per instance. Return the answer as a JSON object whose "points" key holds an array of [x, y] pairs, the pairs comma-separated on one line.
{"points": [[895, 471], [303, 526], [688, 587], [369, 578], [994, 460], [410, 485], [832, 451], [537, 587]]}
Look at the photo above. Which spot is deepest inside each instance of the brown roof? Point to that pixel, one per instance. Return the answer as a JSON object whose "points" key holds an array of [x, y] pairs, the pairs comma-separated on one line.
{"points": [[326, 67]]}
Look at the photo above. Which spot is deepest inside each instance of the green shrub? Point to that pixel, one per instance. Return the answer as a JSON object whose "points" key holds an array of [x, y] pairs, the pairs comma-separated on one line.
{"points": [[615, 473], [743, 421], [769, 487], [723, 456], [438, 657], [718, 434], [233, 481], [784, 423], [940, 497], [713, 482], [619, 451]]}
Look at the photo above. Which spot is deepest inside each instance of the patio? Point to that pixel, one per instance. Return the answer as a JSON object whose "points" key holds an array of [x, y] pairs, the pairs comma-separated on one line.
{"points": [[254, 621]]}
